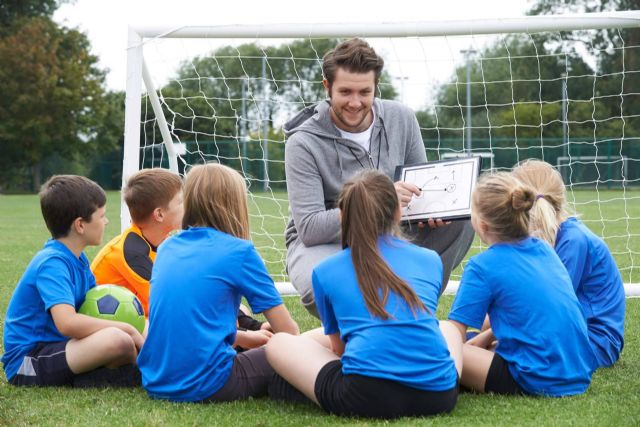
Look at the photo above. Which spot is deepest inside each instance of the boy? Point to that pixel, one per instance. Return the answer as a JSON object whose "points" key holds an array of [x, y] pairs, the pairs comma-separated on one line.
{"points": [[154, 199], [47, 343]]}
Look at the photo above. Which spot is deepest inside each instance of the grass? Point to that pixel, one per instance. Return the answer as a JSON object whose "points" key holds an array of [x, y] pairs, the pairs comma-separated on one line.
{"points": [[612, 399]]}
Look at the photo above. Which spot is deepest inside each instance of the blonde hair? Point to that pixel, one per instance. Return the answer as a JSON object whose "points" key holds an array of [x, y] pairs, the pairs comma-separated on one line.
{"points": [[216, 196], [369, 206], [550, 207], [503, 202]]}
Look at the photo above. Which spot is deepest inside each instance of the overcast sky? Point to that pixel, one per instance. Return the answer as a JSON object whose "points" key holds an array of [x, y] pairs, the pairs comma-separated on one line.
{"points": [[106, 22]]}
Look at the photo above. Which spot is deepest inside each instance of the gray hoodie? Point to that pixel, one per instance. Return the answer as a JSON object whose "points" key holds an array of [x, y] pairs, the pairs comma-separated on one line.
{"points": [[318, 161]]}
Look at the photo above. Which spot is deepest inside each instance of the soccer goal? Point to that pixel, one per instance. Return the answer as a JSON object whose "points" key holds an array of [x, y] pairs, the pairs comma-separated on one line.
{"points": [[565, 89]]}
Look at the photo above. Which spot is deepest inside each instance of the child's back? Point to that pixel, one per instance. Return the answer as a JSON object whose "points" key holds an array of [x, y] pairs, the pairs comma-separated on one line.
{"points": [[534, 314], [598, 286], [406, 348]]}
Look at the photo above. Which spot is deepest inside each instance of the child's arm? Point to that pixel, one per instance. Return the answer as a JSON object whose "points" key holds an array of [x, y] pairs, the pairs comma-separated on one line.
{"points": [[252, 339], [484, 339], [78, 326], [461, 328], [280, 320], [337, 345]]}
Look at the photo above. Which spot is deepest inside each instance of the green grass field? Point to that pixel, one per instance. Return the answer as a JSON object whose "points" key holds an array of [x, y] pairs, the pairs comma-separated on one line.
{"points": [[613, 398]]}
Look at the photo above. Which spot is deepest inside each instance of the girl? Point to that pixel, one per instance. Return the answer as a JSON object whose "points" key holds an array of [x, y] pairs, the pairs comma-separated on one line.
{"points": [[594, 274], [542, 343], [197, 281], [376, 300]]}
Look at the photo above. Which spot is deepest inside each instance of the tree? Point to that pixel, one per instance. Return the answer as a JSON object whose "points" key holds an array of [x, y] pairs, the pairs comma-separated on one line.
{"points": [[614, 50], [222, 101], [52, 96], [12, 11]]}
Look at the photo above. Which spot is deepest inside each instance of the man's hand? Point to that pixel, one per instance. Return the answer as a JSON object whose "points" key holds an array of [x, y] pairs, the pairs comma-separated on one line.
{"points": [[406, 191]]}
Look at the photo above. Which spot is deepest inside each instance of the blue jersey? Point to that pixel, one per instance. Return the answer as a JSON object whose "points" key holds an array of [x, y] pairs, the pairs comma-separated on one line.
{"points": [[598, 285], [405, 348], [54, 276], [197, 282], [534, 314]]}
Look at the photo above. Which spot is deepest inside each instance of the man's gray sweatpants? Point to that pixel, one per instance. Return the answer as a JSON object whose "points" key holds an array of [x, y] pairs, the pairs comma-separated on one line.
{"points": [[451, 242]]}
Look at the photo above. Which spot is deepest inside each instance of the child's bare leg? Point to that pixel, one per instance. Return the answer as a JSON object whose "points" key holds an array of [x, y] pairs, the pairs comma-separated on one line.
{"points": [[109, 347], [453, 338], [318, 335], [476, 363], [243, 308], [298, 359]]}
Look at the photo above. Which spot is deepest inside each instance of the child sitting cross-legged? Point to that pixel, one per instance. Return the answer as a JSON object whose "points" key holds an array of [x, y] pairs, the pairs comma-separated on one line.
{"points": [[519, 281], [593, 270], [46, 341], [198, 279], [154, 199], [386, 355]]}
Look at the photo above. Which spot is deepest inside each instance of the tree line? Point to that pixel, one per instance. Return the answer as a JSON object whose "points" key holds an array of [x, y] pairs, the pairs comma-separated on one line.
{"points": [[56, 114]]}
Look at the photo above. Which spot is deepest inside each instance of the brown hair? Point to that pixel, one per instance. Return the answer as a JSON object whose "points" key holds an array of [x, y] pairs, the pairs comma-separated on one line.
{"points": [[64, 198], [149, 189], [355, 56], [369, 205], [216, 196], [550, 208], [503, 202]]}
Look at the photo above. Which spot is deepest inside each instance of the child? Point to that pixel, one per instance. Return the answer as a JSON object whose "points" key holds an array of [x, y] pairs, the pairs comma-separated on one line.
{"points": [[376, 300], [197, 281], [46, 342], [542, 342], [154, 199], [594, 274]]}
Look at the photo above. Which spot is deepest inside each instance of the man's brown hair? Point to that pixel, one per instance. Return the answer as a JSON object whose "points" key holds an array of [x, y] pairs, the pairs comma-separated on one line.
{"points": [[353, 55], [65, 198], [149, 189]]}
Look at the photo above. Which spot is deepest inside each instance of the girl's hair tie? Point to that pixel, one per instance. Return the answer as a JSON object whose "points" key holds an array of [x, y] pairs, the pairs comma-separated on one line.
{"points": [[540, 196]]}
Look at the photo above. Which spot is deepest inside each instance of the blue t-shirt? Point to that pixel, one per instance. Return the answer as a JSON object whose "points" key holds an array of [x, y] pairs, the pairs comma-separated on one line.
{"points": [[534, 314], [598, 285], [54, 276], [197, 282], [405, 348]]}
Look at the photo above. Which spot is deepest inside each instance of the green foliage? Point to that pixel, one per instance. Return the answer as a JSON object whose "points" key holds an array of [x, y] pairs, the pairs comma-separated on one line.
{"points": [[52, 96], [12, 11], [221, 102]]}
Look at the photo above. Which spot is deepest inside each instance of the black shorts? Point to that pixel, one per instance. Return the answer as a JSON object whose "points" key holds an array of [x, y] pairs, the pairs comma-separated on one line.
{"points": [[499, 379], [362, 396], [45, 365], [250, 377]]}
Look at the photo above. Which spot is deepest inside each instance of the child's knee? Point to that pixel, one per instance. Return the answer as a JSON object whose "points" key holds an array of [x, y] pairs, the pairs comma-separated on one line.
{"points": [[119, 343], [277, 343]]}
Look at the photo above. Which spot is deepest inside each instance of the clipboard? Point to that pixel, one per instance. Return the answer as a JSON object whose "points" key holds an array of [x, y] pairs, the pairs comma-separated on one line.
{"points": [[446, 187]]}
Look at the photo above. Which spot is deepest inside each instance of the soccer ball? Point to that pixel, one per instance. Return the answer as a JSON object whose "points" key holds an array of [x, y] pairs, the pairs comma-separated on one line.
{"points": [[112, 302]]}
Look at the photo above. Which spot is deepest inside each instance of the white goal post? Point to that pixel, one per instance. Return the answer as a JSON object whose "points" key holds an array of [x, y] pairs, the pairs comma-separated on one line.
{"points": [[534, 85]]}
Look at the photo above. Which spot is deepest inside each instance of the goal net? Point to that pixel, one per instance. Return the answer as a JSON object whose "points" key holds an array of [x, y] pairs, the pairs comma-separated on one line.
{"points": [[565, 89]]}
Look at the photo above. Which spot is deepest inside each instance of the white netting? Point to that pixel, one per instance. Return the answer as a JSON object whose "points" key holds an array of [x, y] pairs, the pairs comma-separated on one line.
{"points": [[570, 98]]}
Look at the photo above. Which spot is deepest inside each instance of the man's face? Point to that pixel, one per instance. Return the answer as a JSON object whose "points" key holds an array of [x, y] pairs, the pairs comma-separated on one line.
{"points": [[351, 99]]}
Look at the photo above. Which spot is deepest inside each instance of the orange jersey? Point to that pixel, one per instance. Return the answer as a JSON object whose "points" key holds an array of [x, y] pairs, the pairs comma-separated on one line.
{"points": [[127, 261]]}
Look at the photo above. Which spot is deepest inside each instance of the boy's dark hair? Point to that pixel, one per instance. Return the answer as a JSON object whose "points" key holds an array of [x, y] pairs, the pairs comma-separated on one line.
{"points": [[64, 198], [355, 56], [149, 189]]}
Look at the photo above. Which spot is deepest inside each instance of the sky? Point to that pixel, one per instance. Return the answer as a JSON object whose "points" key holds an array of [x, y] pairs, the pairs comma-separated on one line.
{"points": [[106, 22]]}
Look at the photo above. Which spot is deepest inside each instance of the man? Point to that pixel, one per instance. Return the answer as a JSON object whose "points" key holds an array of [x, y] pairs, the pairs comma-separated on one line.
{"points": [[331, 141]]}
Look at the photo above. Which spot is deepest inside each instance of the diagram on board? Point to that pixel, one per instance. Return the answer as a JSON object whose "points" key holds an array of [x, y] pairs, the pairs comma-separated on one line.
{"points": [[446, 188]]}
